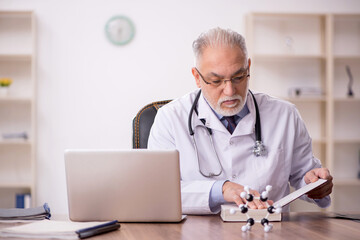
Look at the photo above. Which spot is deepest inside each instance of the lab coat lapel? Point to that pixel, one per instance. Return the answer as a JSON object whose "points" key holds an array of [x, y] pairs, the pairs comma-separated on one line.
{"points": [[247, 124], [205, 112]]}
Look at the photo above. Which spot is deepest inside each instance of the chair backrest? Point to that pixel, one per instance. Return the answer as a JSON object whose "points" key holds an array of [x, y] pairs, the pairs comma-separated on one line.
{"points": [[143, 121]]}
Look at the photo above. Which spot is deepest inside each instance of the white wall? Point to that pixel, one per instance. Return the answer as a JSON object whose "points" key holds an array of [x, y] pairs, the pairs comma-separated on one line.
{"points": [[89, 90]]}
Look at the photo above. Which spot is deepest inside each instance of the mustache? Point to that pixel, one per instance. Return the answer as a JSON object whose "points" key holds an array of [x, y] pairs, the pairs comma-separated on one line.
{"points": [[223, 99]]}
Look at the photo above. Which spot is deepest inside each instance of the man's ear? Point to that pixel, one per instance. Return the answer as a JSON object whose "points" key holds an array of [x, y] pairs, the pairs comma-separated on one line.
{"points": [[196, 76], [249, 63]]}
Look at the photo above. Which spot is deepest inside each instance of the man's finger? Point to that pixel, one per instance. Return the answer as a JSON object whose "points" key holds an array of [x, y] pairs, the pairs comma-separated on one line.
{"points": [[311, 177], [260, 204], [252, 205], [256, 203], [238, 200], [323, 173]]}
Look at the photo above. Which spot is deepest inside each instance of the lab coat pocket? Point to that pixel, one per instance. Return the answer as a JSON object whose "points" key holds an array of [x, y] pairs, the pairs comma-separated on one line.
{"points": [[272, 169]]}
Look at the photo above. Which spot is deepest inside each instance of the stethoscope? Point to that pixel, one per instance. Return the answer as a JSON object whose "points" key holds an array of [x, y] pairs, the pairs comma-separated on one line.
{"points": [[258, 150]]}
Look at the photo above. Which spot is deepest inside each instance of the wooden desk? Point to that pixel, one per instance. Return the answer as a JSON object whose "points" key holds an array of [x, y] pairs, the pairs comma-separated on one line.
{"points": [[294, 226]]}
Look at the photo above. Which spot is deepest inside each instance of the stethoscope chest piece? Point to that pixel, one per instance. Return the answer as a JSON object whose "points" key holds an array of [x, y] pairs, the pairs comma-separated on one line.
{"points": [[259, 149]]}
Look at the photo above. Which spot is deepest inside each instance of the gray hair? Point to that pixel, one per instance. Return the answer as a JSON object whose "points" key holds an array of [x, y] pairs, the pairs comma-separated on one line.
{"points": [[218, 37]]}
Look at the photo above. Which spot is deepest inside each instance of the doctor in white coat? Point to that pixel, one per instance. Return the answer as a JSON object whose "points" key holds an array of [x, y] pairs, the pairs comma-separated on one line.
{"points": [[216, 164]]}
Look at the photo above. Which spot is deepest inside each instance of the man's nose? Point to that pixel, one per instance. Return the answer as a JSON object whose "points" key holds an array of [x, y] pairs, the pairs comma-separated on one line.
{"points": [[229, 88]]}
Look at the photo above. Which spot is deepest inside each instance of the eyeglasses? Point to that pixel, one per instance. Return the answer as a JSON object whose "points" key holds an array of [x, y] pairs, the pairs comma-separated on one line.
{"points": [[217, 83]]}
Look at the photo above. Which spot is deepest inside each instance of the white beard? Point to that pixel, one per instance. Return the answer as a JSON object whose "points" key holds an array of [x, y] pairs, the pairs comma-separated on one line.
{"points": [[231, 110]]}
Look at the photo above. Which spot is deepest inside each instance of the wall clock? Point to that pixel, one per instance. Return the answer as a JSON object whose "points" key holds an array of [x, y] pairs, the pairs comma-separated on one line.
{"points": [[120, 30]]}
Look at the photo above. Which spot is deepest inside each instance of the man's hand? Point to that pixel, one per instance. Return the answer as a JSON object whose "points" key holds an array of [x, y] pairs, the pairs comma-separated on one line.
{"points": [[231, 192], [323, 190]]}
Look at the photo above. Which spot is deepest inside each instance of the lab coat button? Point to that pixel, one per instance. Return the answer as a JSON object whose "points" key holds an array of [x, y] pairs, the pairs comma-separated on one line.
{"points": [[233, 176], [231, 142]]}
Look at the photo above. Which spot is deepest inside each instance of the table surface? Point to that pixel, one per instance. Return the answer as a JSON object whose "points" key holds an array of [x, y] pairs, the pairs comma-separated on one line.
{"points": [[314, 225]]}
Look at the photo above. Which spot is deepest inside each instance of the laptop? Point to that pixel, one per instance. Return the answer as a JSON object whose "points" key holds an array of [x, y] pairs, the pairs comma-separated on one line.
{"points": [[136, 185]]}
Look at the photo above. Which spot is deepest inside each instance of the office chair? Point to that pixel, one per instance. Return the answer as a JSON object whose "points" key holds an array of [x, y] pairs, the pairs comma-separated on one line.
{"points": [[143, 121]]}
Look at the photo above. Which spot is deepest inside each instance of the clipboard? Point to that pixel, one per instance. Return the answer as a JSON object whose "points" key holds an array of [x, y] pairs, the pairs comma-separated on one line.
{"points": [[298, 193]]}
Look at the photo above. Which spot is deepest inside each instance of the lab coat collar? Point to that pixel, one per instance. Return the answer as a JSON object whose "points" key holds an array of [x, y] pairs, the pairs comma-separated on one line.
{"points": [[206, 113], [247, 124], [244, 127]]}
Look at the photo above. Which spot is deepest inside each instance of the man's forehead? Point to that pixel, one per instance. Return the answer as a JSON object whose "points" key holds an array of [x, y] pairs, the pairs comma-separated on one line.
{"points": [[223, 62], [236, 71]]}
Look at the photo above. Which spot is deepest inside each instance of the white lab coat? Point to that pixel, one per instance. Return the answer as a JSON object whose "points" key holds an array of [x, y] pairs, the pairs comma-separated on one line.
{"points": [[283, 133]]}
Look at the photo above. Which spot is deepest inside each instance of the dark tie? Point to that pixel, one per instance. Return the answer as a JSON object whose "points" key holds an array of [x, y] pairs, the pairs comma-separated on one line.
{"points": [[232, 125]]}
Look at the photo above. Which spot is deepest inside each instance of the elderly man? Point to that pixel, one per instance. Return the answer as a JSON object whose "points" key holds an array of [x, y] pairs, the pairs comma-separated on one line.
{"points": [[216, 127]]}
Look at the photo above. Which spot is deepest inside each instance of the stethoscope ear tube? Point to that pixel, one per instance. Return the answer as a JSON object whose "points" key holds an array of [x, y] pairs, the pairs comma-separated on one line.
{"points": [[259, 148], [193, 107], [257, 121]]}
